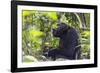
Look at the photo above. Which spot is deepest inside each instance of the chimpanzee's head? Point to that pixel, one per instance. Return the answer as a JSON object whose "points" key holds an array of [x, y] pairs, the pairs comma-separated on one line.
{"points": [[60, 30]]}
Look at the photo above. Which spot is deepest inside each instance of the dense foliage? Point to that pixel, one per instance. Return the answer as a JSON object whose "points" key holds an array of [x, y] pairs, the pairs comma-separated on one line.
{"points": [[37, 32]]}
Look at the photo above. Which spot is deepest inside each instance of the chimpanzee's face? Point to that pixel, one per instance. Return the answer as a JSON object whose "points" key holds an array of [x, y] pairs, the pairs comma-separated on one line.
{"points": [[61, 28]]}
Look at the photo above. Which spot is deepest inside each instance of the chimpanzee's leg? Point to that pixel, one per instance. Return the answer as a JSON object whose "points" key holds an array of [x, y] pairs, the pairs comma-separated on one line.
{"points": [[53, 53], [68, 54]]}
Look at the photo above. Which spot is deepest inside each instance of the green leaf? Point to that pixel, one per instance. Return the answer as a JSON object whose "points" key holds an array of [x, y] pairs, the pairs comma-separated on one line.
{"points": [[27, 60], [53, 15], [86, 34], [28, 12], [54, 26], [37, 33]]}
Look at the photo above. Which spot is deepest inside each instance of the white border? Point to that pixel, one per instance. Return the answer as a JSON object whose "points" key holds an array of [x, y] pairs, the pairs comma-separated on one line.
{"points": [[53, 63]]}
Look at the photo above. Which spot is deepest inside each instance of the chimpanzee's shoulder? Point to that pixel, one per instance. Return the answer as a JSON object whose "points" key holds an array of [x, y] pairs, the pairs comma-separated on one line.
{"points": [[72, 30]]}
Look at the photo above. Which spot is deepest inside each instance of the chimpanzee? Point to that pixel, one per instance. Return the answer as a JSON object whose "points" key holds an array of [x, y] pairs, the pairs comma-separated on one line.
{"points": [[68, 41]]}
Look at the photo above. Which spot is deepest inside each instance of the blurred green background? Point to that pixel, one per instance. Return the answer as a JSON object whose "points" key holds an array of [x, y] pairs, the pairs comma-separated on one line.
{"points": [[37, 32]]}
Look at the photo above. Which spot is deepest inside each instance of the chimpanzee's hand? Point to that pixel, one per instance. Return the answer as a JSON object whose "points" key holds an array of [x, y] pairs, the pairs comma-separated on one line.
{"points": [[45, 54], [50, 54]]}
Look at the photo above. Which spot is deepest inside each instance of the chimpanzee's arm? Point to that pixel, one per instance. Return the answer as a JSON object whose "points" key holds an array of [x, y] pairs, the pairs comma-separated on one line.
{"points": [[72, 38]]}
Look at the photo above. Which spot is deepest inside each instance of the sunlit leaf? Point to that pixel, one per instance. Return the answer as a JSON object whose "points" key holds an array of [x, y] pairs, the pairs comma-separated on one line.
{"points": [[28, 12], [29, 59], [86, 34], [52, 15], [54, 26], [37, 33]]}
